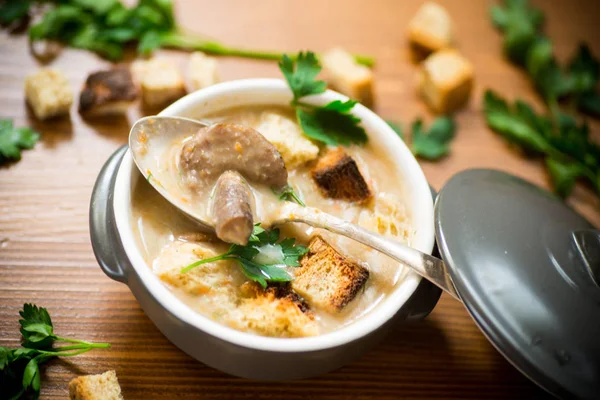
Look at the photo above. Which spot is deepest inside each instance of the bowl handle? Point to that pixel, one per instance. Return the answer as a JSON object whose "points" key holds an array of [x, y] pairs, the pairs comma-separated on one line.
{"points": [[103, 232]]}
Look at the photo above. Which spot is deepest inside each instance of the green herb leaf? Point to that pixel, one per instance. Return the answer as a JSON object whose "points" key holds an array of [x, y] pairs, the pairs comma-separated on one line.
{"points": [[434, 144], [14, 10], [563, 175], [332, 124], [568, 150], [258, 259], [511, 125], [36, 327], [288, 194], [397, 128], [589, 103], [149, 42], [5, 357], [31, 377], [300, 75], [13, 140], [584, 71], [99, 7]]}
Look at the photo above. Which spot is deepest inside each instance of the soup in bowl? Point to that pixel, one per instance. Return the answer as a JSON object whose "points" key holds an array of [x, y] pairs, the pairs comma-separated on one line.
{"points": [[339, 295]]}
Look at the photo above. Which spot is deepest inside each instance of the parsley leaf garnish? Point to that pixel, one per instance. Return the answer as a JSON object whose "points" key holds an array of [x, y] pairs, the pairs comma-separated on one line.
{"points": [[300, 75], [263, 259], [526, 45], [332, 124], [19, 368], [288, 194], [13, 140], [433, 144], [565, 145]]}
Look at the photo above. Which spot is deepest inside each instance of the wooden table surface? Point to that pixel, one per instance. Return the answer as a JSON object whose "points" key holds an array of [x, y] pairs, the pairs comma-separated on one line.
{"points": [[45, 251]]}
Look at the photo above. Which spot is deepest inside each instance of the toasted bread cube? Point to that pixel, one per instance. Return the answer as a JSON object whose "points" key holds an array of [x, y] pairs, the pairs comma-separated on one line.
{"points": [[431, 28], [446, 80], [338, 177], [326, 279], [347, 76], [160, 80], [295, 148], [48, 93], [276, 312], [96, 387], [108, 92], [202, 71]]}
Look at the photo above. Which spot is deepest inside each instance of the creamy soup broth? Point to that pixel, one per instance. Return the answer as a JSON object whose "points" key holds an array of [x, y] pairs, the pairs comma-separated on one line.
{"points": [[169, 241]]}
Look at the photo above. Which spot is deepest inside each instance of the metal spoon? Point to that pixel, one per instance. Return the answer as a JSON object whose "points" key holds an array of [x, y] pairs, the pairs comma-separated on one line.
{"points": [[152, 131]]}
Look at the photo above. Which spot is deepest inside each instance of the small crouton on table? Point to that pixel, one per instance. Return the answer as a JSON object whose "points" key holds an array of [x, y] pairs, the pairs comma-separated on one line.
{"points": [[48, 93], [96, 387]]}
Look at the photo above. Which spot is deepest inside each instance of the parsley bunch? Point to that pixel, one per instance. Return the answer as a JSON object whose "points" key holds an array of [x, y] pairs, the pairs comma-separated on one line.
{"points": [[526, 45], [433, 144], [106, 27], [565, 145], [263, 259], [331, 124], [13, 140], [19, 368]]}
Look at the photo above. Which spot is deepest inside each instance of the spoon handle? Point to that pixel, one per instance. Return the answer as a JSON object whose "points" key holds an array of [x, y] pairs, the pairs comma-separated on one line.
{"points": [[429, 267]]}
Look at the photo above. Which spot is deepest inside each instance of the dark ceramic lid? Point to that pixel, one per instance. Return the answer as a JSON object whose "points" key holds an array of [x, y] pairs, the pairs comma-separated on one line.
{"points": [[527, 268]]}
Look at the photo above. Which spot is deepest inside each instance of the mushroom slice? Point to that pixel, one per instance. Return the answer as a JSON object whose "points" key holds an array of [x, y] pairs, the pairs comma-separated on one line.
{"points": [[230, 147], [232, 208]]}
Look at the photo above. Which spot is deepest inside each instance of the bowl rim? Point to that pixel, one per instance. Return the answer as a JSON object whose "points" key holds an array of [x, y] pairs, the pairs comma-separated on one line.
{"points": [[422, 222]]}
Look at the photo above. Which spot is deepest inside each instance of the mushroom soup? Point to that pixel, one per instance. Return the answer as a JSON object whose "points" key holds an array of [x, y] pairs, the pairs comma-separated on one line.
{"points": [[235, 174]]}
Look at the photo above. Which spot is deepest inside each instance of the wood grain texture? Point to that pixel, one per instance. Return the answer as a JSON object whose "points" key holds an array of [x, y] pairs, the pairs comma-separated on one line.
{"points": [[46, 256]]}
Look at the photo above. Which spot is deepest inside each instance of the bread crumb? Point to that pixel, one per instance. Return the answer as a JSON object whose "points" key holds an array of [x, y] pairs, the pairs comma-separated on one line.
{"points": [[347, 76], [431, 28]]}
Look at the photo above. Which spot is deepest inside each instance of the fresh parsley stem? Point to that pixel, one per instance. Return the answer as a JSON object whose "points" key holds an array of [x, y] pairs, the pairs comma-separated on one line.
{"points": [[182, 41], [84, 346], [78, 341], [297, 199], [64, 353], [193, 265]]}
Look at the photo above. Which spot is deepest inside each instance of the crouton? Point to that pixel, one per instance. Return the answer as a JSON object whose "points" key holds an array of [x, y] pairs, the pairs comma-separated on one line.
{"points": [[431, 28], [386, 216], [445, 81], [160, 81], [48, 93], [326, 279], [108, 92], [96, 387], [202, 71], [212, 278], [295, 148], [338, 177], [347, 76], [275, 312]]}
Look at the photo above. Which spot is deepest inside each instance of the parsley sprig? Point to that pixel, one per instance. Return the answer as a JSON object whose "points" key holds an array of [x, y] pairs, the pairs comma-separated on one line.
{"points": [[432, 144], [106, 27], [13, 140], [565, 145], [289, 194], [333, 123], [19, 368], [263, 259], [526, 45]]}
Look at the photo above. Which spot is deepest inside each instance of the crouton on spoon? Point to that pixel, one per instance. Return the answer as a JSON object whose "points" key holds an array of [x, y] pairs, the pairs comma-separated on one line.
{"points": [[209, 150]]}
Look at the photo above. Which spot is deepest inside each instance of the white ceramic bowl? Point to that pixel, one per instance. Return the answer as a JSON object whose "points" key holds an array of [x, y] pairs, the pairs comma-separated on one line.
{"points": [[224, 348]]}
